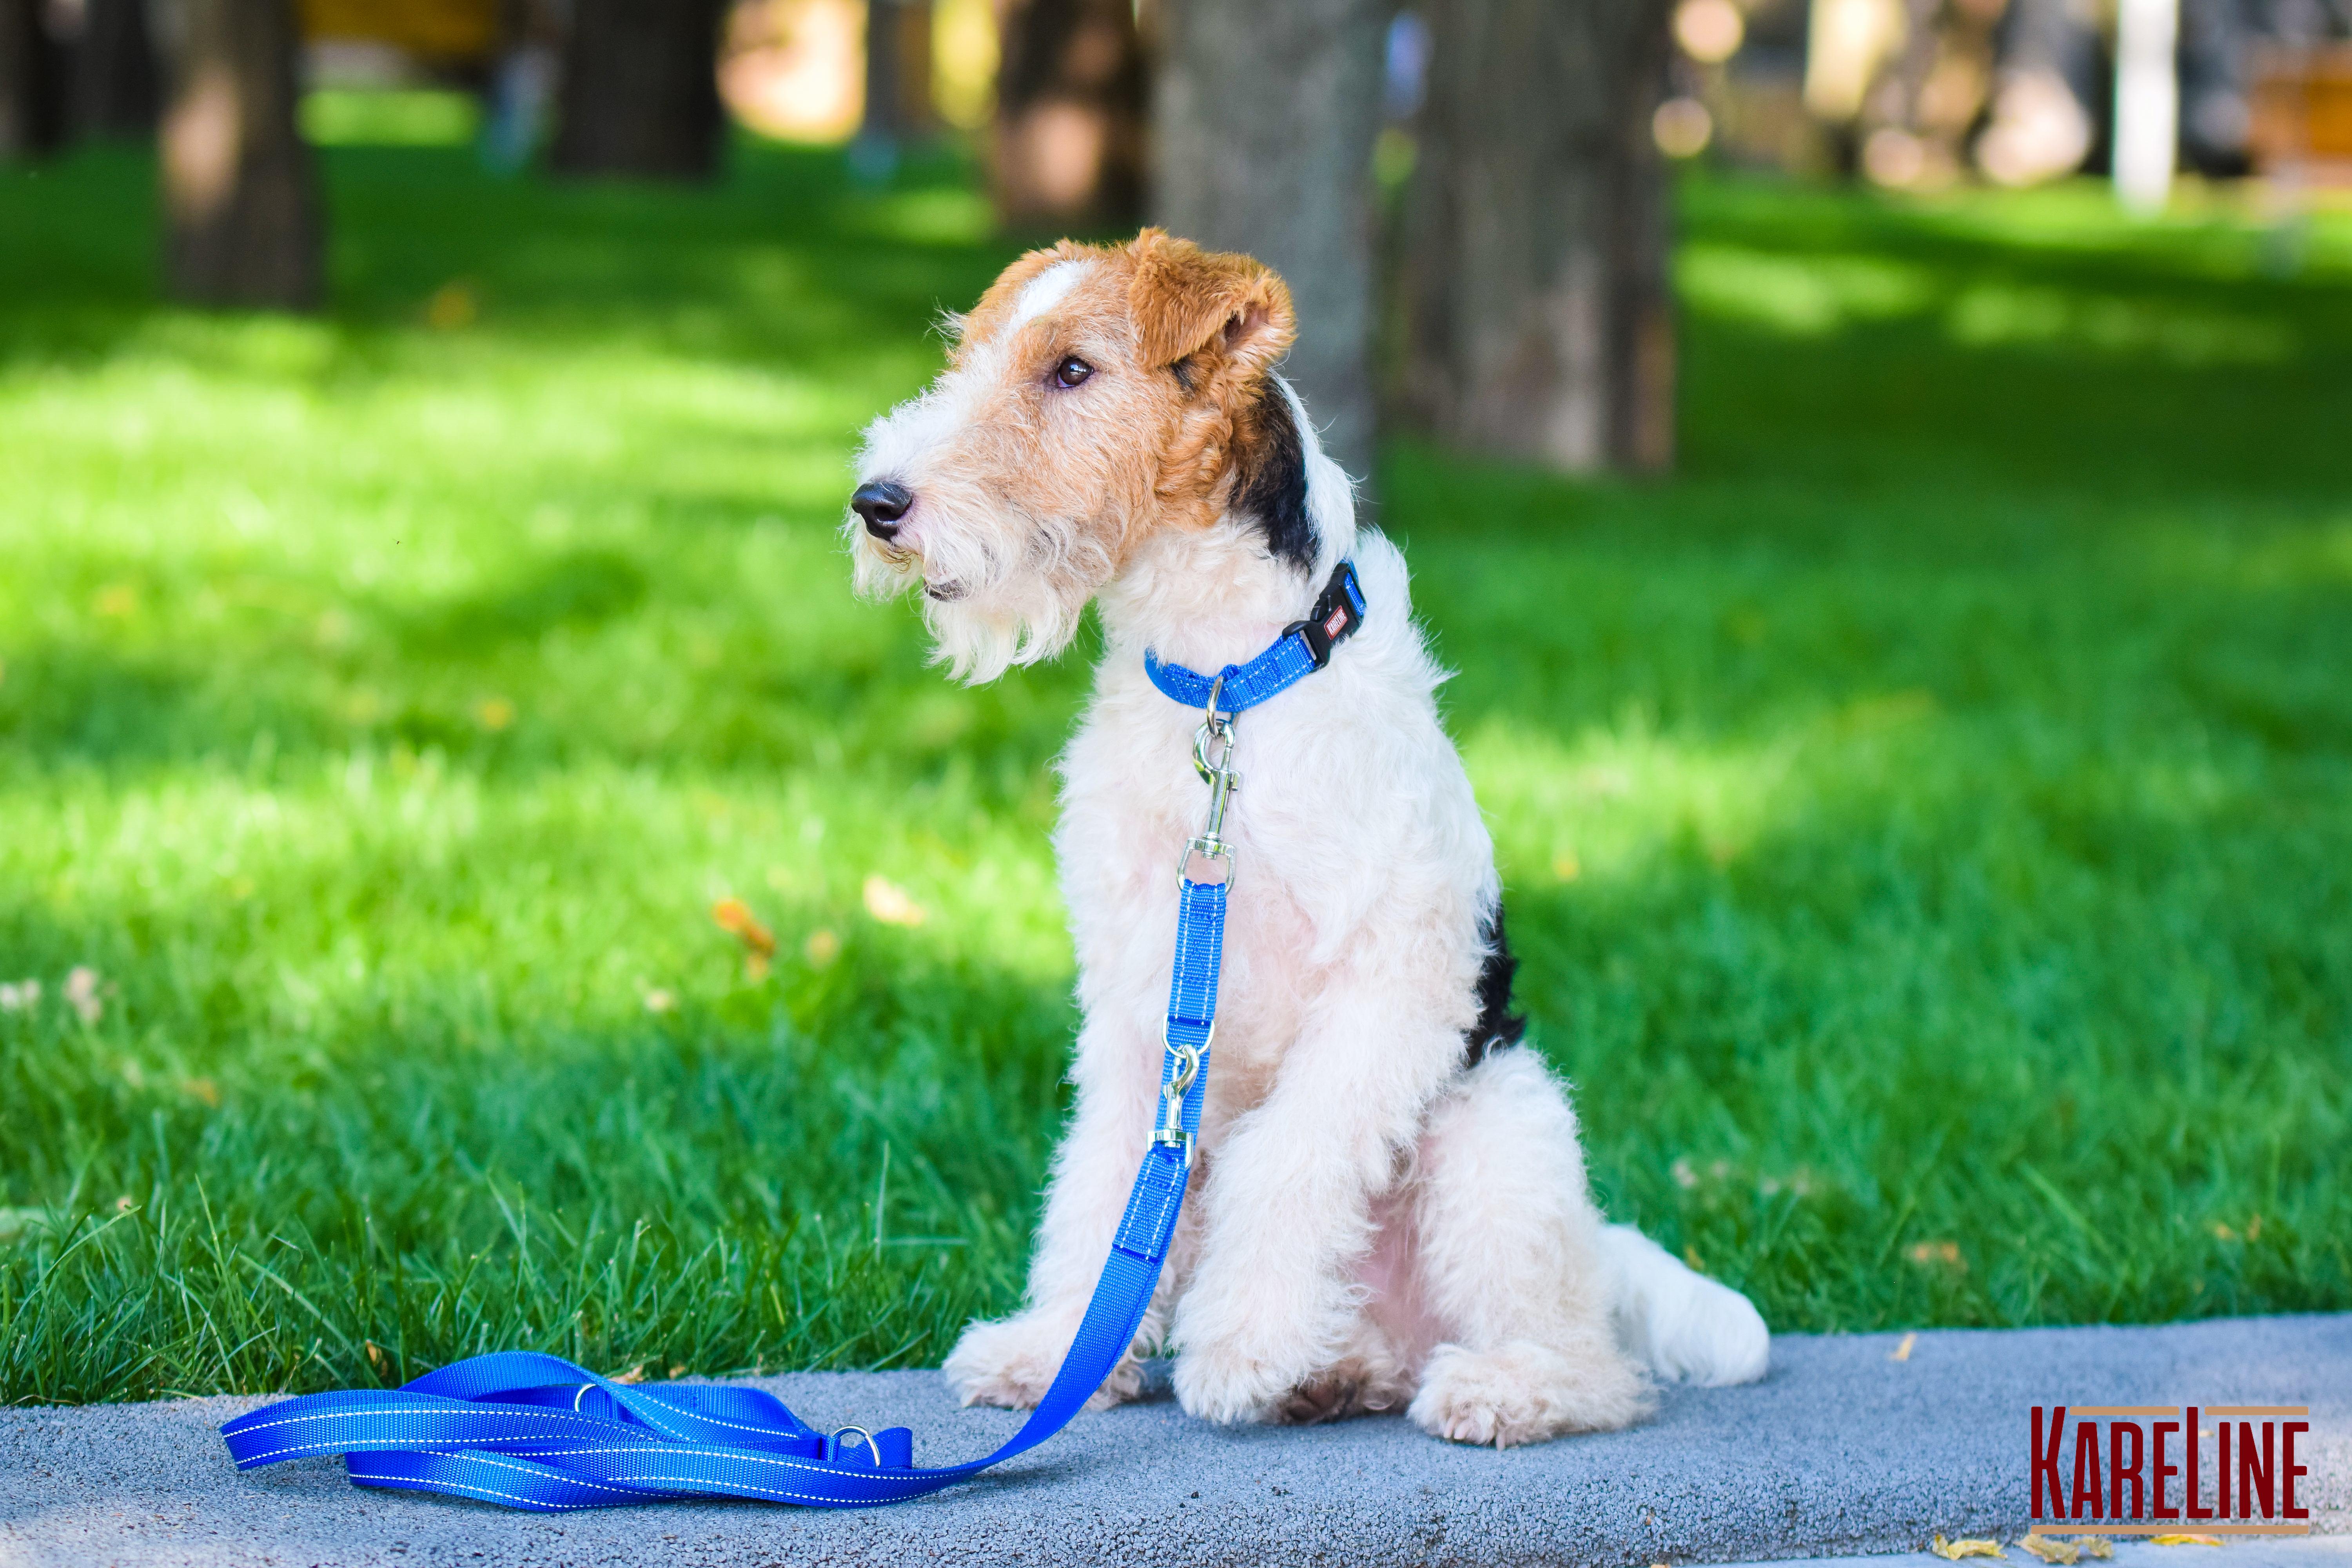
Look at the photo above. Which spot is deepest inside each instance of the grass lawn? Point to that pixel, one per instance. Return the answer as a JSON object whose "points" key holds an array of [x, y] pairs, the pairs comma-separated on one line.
{"points": [[1927, 819]]}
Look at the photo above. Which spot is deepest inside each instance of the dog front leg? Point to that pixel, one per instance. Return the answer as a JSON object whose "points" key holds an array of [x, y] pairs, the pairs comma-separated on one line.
{"points": [[1011, 1361], [1273, 1301]]}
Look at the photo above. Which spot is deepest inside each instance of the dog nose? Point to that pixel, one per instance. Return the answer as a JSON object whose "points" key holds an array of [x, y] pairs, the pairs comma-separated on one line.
{"points": [[881, 503]]}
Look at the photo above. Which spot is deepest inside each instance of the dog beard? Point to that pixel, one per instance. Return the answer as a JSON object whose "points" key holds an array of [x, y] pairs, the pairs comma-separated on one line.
{"points": [[999, 589]]}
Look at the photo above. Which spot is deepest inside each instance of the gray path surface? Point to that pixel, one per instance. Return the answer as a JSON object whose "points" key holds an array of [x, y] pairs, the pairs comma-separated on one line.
{"points": [[1842, 1450], [2295, 1552]]}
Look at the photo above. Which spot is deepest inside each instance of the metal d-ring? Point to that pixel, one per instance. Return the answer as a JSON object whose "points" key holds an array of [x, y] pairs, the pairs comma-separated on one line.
{"points": [[871, 1446]]}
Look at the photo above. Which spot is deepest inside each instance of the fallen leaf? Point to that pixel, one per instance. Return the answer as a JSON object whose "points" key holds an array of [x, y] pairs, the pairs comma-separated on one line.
{"points": [[679, 1371], [1884, 712], [888, 903], [202, 1089], [453, 305], [1953, 1551], [1690, 1256], [1937, 1253], [735, 917], [2097, 1546], [374, 1353], [635, 1374], [2049, 1551], [1903, 1350], [2185, 1540], [81, 992]]}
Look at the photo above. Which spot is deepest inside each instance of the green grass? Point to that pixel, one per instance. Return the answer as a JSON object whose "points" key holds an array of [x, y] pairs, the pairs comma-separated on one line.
{"points": [[1927, 819]]}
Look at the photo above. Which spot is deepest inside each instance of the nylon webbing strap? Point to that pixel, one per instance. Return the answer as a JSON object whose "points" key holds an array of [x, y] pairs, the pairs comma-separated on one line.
{"points": [[1298, 653], [534, 1431]]}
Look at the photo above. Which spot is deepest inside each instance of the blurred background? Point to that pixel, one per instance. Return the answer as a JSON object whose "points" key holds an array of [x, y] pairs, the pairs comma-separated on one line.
{"points": [[471, 877], [1481, 181]]}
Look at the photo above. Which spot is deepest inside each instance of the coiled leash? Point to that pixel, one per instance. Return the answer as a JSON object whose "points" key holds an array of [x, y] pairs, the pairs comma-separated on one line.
{"points": [[536, 1431]]}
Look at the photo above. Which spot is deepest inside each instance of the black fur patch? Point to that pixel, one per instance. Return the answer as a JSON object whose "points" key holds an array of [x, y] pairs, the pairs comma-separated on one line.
{"points": [[1274, 488], [1498, 1028]]}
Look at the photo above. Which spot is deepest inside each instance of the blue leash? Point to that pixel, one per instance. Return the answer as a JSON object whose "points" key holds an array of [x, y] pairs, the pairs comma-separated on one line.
{"points": [[536, 1431]]}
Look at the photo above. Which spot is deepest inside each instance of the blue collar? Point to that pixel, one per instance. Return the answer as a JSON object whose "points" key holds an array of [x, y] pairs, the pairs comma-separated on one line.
{"points": [[1304, 647]]}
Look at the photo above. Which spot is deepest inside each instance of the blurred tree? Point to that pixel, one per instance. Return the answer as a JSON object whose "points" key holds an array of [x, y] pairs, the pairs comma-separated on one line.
{"points": [[2049, 88], [32, 81], [639, 89], [241, 197], [1070, 101], [114, 88], [1539, 320], [897, 74], [1264, 128]]}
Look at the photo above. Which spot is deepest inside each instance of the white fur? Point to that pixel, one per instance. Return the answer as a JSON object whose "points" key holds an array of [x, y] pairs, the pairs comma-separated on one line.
{"points": [[1370, 1226], [1045, 290], [1682, 1324], [1002, 586]]}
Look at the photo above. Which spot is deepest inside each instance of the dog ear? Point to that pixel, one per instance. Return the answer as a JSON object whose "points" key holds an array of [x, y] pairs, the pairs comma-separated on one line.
{"points": [[1187, 301]]}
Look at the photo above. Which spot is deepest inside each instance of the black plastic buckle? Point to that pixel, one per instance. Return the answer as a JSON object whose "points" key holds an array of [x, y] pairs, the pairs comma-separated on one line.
{"points": [[1335, 618]]}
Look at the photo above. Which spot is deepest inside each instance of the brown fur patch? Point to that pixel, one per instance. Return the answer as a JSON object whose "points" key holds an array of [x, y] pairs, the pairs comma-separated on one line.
{"points": [[1226, 318], [1228, 321]]}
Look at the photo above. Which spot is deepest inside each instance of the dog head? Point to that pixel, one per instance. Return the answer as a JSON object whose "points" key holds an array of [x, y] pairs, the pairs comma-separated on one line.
{"points": [[1094, 396]]}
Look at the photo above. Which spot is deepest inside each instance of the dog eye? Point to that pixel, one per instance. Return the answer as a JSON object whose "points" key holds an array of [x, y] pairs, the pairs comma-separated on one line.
{"points": [[1071, 371]]}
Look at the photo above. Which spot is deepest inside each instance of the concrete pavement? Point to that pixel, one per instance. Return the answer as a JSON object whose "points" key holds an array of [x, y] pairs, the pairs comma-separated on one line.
{"points": [[1842, 1450]]}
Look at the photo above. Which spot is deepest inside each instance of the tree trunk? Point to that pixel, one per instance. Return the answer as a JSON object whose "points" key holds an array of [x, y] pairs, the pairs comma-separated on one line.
{"points": [[897, 71], [1264, 122], [640, 89], [1541, 322], [31, 82], [114, 70], [240, 198], [1070, 99]]}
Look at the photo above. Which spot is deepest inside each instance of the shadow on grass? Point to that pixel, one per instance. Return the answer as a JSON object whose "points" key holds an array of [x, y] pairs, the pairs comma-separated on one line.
{"points": [[825, 1169], [782, 259]]}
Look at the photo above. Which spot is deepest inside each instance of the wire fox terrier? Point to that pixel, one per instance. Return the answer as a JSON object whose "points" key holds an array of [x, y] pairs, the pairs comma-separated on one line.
{"points": [[1390, 1207]]}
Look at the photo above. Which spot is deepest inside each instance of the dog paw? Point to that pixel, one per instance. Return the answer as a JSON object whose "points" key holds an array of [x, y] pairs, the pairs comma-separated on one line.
{"points": [[1525, 1393], [1224, 1384], [1332, 1396], [1350, 1388], [1011, 1362]]}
